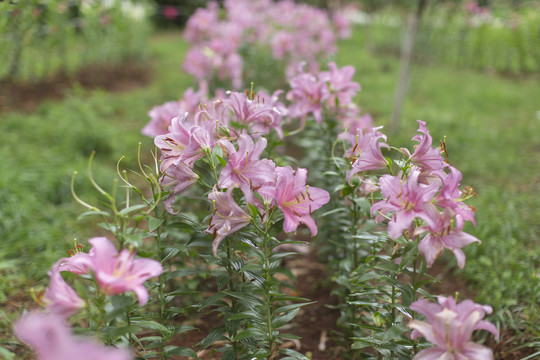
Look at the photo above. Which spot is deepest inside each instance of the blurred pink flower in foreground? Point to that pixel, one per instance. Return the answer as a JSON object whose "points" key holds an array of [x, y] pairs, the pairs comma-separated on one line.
{"points": [[118, 272], [449, 327], [59, 296], [51, 339]]}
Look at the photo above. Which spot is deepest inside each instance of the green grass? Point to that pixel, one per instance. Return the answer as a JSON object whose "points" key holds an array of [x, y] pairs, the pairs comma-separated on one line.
{"points": [[40, 151], [493, 137]]}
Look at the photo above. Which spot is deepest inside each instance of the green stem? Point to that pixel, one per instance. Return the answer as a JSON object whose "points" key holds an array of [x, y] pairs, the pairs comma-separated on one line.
{"points": [[161, 295], [353, 231], [268, 296], [100, 305], [415, 288], [230, 271], [268, 280], [128, 318]]}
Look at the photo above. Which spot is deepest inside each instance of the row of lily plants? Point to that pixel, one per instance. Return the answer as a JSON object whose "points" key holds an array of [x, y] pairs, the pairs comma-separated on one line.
{"points": [[69, 35], [208, 226]]}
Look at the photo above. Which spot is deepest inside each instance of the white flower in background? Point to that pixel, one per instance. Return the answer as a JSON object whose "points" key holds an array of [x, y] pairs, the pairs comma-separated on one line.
{"points": [[102, 4], [136, 11], [359, 17]]}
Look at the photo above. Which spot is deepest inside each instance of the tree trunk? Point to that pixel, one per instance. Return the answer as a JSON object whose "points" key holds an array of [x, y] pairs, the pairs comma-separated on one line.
{"points": [[405, 64]]}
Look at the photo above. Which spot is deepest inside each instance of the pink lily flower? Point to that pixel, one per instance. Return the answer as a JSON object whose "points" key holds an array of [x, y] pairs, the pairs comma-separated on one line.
{"points": [[443, 236], [160, 118], [60, 298], [51, 338], [199, 62], [249, 111], [201, 24], [371, 157], [449, 328], [463, 309], [426, 156], [268, 123], [78, 264], [227, 218], [179, 177], [359, 140], [118, 272], [308, 95], [244, 169], [192, 99], [188, 139], [356, 127], [406, 200], [173, 144], [232, 68], [340, 84], [342, 24], [282, 43], [450, 196], [297, 200]]}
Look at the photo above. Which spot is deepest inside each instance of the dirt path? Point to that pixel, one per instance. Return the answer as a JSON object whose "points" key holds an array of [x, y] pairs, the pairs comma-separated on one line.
{"points": [[26, 97]]}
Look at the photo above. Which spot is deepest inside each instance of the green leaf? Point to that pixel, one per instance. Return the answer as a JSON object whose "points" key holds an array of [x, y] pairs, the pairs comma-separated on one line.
{"points": [[281, 255], [389, 266], [243, 315], [246, 299], [181, 273], [293, 355], [152, 325], [214, 335], [213, 300], [120, 304], [247, 333], [222, 161], [291, 307], [172, 350], [394, 333], [284, 319], [133, 208], [154, 223], [361, 343], [229, 355], [114, 332], [333, 211], [170, 252], [254, 211], [151, 338], [6, 354], [92, 213]]}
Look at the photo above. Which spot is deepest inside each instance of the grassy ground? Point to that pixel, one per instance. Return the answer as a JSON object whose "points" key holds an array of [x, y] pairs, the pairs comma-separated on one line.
{"points": [[493, 137], [40, 151]]}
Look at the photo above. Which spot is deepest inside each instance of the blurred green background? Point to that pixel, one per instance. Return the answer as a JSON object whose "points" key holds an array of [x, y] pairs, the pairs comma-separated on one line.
{"points": [[474, 78]]}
